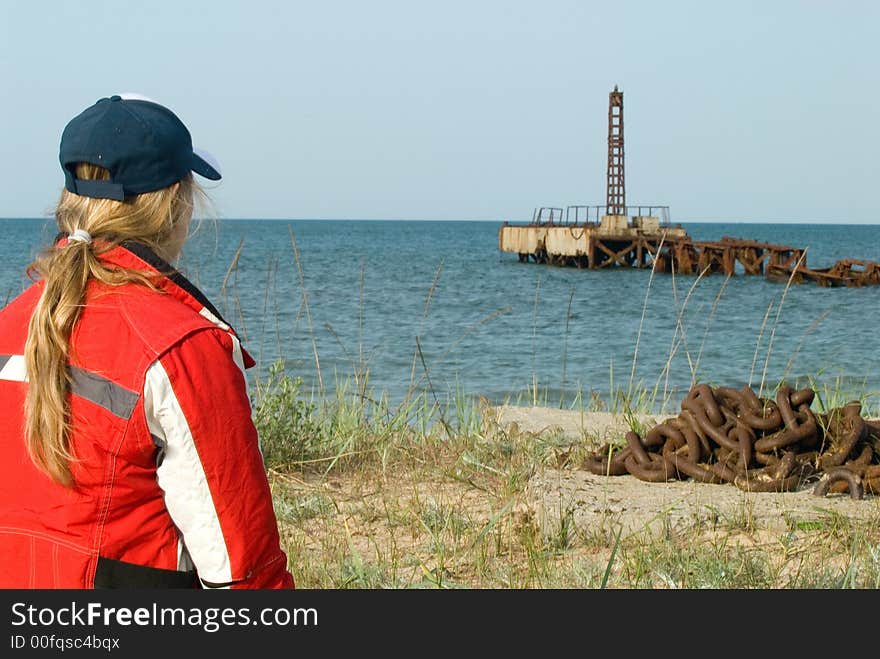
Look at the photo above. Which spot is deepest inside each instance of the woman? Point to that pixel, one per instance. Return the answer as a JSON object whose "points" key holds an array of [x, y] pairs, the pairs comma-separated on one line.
{"points": [[128, 457]]}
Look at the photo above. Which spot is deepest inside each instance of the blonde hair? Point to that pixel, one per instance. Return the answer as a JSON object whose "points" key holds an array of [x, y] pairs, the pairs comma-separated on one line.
{"points": [[157, 219]]}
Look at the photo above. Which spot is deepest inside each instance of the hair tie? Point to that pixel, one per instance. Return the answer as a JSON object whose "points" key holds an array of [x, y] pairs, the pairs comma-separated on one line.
{"points": [[81, 235]]}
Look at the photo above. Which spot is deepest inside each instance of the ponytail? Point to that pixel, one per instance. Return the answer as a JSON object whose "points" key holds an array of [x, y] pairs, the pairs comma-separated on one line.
{"points": [[152, 218], [46, 351]]}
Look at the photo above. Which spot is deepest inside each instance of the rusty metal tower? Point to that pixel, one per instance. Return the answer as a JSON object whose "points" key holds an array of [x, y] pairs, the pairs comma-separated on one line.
{"points": [[615, 199]]}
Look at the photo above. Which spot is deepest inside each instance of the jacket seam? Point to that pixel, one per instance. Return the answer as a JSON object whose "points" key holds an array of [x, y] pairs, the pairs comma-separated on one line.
{"points": [[109, 482], [33, 549], [268, 563], [149, 360], [46, 536], [55, 579]]}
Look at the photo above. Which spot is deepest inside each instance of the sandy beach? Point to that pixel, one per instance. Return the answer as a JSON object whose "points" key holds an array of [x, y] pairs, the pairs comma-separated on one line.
{"points": [[609, 502]]}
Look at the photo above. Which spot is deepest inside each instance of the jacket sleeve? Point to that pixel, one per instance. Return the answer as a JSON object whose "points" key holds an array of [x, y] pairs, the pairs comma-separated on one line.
{"points": [[211, 468]]}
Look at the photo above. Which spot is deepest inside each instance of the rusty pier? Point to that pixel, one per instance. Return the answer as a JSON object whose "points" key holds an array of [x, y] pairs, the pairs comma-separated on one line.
{"points": [[617, 235], [643, 242]]}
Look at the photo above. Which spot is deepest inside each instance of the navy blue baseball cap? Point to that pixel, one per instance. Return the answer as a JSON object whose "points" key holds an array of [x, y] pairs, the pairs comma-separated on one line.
{"points": [[143, 144]]}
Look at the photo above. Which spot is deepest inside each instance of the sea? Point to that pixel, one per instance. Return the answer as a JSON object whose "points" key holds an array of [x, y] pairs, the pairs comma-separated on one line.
{"points": [[435, 308]]}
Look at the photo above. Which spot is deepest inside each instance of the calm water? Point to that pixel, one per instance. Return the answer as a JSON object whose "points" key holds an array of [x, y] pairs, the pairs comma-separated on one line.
{"points": [[375, 292]]}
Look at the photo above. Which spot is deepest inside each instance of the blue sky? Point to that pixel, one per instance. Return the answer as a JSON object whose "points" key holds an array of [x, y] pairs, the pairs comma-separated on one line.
{"points": [[742, 111]]}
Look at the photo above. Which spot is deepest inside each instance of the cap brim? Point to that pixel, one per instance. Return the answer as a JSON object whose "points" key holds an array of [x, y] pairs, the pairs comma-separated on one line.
{"points": [[205, 164]]}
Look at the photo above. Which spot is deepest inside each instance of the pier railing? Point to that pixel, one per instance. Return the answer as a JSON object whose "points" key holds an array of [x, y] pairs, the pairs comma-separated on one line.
{"points": [[578, 215]]}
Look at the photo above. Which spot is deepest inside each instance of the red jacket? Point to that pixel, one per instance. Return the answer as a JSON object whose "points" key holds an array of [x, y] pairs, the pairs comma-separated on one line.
{"points": [[168, 471]]}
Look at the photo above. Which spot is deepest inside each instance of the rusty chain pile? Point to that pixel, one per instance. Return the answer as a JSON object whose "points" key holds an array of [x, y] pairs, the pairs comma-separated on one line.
{"points": [[725, 435]]}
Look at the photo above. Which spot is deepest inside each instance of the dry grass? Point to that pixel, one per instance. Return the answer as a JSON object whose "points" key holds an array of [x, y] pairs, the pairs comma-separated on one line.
{"points": [[477, 511]]}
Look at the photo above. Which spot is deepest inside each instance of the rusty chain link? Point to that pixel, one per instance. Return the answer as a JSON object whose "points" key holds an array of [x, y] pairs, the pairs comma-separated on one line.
{"points": [[725, 435]]}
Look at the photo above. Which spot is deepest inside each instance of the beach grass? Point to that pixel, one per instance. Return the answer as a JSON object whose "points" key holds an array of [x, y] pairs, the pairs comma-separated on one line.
{"points": [[368, 497], [435, 493]]}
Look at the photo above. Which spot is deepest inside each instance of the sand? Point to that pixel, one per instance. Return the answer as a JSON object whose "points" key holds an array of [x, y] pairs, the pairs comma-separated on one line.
{"points": [[606, 503]]}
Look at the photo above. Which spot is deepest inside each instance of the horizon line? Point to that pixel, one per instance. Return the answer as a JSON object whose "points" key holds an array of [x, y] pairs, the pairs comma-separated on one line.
{"points": [[499, 221]]}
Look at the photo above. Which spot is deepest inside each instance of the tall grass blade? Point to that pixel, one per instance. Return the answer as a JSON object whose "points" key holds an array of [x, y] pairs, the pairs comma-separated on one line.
{"points": [[610, 563], [800, 260], [565, 341], [305, 301]]}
